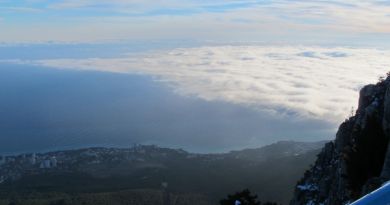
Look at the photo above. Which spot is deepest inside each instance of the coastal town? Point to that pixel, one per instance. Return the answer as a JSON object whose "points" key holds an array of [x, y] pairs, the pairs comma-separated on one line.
{"points": [[15, 166]]}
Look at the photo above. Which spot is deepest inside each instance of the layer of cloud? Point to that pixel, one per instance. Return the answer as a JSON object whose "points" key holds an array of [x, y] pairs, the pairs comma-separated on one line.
{"points": [[310, 82]]}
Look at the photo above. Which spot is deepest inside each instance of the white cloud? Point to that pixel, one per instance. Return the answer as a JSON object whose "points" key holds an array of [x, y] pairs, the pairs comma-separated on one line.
{"points": [[336, 16], [275, 21], [312, 82], [141, 5], [20, 9]]}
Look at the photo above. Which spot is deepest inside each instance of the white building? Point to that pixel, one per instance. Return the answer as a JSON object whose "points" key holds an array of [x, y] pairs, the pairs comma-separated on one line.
{"points": [[45, 164], [49, 163], [53, 161], [33, 159]]}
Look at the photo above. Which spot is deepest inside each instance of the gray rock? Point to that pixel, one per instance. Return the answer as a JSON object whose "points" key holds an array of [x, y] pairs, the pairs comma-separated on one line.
{"points": [[386, 128], [333, 172]]}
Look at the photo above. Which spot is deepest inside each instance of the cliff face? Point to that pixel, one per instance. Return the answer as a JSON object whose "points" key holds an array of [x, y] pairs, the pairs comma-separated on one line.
{"points": [[358, 160]]}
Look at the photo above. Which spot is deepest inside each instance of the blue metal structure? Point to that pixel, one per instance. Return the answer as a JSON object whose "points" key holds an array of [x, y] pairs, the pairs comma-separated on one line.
{"points": [[380, 196]]}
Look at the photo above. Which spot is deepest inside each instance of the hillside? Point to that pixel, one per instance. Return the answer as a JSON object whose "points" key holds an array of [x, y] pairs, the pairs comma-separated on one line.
{"points": [[133, 197], [358, 160], [270, 172]]}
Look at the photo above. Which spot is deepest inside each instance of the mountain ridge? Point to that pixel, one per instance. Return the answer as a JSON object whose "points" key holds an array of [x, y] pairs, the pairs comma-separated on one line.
{"points": [[358, 160], [147, 167]]}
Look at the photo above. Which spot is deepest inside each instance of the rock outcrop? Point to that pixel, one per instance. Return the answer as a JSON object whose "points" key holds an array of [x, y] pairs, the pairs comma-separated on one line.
{"points": [[358, 160]]}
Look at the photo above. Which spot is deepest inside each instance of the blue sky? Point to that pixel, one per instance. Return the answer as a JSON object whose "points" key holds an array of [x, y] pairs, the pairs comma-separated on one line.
{"points": [[276, 21]]}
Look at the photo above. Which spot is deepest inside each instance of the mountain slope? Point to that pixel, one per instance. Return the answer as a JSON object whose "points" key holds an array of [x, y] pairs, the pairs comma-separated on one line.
{"points": [[271, 171], [358, 160]]}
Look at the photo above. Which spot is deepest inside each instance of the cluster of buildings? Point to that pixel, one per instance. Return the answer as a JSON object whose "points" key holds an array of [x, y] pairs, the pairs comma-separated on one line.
{"points": [[48, 163], [13, 167]]}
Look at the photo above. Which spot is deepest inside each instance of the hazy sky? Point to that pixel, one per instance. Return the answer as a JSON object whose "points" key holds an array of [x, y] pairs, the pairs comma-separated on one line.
{"points": [[284, 21], [258, 71]]}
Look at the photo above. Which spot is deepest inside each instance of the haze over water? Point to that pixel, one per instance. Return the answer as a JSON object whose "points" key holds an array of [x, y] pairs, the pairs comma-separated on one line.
{"points": [[203, 76], [44, 109]]}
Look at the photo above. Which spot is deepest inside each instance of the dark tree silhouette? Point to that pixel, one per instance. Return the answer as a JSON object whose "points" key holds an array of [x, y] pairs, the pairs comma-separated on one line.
{"points": [[59, 202], [245, 197]]}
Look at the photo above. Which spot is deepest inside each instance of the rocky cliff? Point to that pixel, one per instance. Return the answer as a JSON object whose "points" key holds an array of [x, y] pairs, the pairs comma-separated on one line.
{"points": [[358, 160]]}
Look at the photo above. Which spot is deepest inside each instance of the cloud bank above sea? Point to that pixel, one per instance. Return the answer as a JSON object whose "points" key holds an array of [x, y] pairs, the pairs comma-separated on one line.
{"points": [[305, 82]]}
